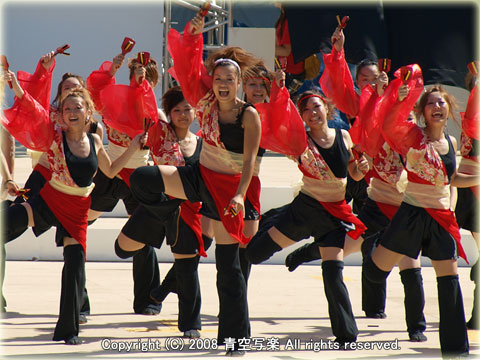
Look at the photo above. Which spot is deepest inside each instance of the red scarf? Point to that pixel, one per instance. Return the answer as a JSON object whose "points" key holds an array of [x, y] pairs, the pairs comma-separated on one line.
{"points": [[222, 187], [343, 211], [70, 210]]}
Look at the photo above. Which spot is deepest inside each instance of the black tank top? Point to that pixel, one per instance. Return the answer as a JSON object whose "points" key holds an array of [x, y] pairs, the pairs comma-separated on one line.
{"points": [[81, 169], [449, 159], [195, 158], [336, 156], [231, 135]]}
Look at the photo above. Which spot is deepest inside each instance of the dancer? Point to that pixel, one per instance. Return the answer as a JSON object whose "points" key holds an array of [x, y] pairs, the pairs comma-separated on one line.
{"points": [[224, 177], [425, 220], [118, 104], [466, 210], [38, 85], [320, 209], [172, 144], [74, 156]]}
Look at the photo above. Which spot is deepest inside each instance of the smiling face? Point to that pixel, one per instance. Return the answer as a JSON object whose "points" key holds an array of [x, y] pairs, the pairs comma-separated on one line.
{"points": [[255, 90], [367, 75], [436, 109], [75, 112], [182, 115], [225, 83], [315, 112]]}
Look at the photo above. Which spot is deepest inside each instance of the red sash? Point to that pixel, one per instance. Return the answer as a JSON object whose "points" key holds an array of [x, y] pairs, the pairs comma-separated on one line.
{"points": [[446, 219], [343, 211], [44, 171], [190, 214], [70, 210], [387, 209], [222, 187]]}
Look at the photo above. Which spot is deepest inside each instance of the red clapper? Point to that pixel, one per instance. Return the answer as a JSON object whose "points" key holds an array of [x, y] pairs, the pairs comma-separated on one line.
{"points": [[127, 45], [342, 24], [384, 65], [61, 50]]}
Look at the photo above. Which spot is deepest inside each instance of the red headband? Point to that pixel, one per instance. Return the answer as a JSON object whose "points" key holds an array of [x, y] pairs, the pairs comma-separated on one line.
{"points": [[312, 95]]}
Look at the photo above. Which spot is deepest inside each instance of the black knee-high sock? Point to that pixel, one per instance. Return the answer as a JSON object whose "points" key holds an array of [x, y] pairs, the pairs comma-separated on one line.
{"points": [[168, 285], [342, 320], [414, 299], [124, 254], [373, 273], [189, 297], [233, 317], [453, 331], [473, 322], [306, 253], [261, 247], [146, 276], [15, 222], [245, 265], [73, 284], [374, 294]]}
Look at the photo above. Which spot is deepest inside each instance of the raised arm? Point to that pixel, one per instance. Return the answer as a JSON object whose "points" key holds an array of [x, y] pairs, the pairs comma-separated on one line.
{"points": [[282, 127], [336, 81], [186, 51], [39, 84], [27, 120], [103, 77], [400, 133]]}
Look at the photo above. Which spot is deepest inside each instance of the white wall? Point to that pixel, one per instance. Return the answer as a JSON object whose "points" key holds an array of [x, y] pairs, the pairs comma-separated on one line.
{"points": [[94, 30]]}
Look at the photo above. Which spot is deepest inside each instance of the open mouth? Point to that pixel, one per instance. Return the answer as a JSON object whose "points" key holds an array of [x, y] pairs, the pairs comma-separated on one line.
{"points": [[223, 93]]}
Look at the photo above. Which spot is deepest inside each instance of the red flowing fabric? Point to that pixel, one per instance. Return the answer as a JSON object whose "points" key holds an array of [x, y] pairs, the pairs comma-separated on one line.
{"points": [[222, 187], [337, 83], [400, 134], [366, 131], [446, 219], [387, 209], [29, 123], [38, 84], [70, 210], [282, 127], [471, 116], [126, 107], [343, 211], [99, 80], [190, 214], [188, 69]]}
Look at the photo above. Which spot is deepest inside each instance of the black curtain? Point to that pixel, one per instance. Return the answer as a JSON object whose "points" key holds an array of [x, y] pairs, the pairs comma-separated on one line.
{"points": [[440, 38]]}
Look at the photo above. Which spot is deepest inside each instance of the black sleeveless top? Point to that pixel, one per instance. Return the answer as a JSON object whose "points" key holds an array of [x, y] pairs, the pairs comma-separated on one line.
{"points": [[449, 159], [336, 156], [82, 170], [231, 135], [195, 158]]}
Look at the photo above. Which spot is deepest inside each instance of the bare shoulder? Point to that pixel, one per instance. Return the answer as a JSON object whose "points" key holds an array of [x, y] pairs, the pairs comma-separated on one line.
{"points": [[346, 138], [453, 139]]}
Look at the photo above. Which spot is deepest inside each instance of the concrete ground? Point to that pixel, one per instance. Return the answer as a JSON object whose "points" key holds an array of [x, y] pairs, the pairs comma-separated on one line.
{"points": [[288, 309]]}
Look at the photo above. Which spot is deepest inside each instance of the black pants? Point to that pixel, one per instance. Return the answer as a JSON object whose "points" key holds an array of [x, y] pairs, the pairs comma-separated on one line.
{"points": [[73, 285], [146, 277], [233, 317]]}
